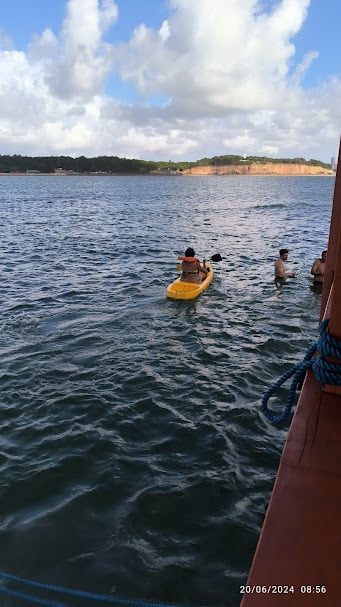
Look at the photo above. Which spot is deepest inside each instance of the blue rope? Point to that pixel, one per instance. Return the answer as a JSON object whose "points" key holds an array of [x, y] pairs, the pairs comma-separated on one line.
{"points": [[325, 372], [32, 599], [78, 593]]}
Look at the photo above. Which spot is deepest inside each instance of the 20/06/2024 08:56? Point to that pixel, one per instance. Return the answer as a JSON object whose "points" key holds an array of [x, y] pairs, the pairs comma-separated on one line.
{"points": [[278, 589]]}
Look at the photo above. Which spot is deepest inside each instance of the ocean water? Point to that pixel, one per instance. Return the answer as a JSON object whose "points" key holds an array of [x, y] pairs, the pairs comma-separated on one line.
{"points": [[134, 459]]}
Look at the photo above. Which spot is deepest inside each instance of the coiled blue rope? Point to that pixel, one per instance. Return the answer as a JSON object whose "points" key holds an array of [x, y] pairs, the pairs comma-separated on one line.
{"points": [[325, 372], [70, 592]]}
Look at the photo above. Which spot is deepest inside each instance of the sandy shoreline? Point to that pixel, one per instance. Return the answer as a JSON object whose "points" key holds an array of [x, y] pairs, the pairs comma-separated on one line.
{"points": [[268, 169]]}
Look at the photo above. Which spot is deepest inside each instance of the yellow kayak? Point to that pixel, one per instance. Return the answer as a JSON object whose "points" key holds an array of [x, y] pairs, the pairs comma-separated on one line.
{"points": [[179, 289]]}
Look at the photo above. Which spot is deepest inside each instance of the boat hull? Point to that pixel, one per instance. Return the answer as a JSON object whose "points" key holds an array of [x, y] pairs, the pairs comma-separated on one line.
{"points": [[179, 289], [297, 559]]}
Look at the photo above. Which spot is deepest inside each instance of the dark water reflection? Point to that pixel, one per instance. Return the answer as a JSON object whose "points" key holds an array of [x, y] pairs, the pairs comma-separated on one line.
{"points": [[134, 459]]}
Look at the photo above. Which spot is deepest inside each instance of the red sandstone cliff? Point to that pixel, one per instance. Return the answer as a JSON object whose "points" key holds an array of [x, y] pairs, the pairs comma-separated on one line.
{"points": [[259, 169]]}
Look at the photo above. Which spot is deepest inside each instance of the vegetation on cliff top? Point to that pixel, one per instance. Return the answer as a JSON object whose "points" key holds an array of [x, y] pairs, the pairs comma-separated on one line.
{"points": [[116, 165]]}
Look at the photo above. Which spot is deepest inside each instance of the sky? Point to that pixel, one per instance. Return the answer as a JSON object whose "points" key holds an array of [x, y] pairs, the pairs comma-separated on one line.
{"points": [[170, 79]]}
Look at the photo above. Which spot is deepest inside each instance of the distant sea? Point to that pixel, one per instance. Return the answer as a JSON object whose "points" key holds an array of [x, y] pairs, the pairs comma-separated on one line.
{"points": [[134, 459]]}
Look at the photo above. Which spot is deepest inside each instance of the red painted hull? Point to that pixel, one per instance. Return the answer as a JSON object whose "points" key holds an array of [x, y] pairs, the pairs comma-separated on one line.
{"points": [[298, 557]]}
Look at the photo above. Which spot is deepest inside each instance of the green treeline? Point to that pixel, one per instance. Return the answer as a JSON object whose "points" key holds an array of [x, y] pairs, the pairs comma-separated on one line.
{"points": [[228, 160], [116, 165], [50, 164]]}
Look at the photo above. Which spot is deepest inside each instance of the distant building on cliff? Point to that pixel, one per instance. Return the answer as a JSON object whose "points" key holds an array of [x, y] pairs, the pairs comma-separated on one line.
{"points": [[333, 163]]}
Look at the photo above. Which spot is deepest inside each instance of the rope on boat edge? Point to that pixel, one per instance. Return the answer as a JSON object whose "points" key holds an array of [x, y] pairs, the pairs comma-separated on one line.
{"points": [[325, 372]]}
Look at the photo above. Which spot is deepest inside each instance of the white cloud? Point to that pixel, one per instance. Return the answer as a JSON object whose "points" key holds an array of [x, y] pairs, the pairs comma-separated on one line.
{"points": [[77, 64], [217, 56], [226, 71]]}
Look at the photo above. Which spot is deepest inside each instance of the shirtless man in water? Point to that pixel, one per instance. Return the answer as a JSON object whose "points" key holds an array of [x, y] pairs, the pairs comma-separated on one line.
{"points": [[317, 269], [280, 271]]}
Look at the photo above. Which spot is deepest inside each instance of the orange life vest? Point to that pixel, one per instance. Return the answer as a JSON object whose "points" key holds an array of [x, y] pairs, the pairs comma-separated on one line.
{"points": [[188, 259]]}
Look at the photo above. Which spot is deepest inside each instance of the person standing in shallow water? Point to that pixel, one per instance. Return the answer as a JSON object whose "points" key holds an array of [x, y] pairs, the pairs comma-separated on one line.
{"points": [[317, 269], [192, 270], [280, 270]]}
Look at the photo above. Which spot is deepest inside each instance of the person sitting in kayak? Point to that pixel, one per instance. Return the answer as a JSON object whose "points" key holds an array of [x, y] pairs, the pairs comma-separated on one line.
{"points": [[192, 269]]}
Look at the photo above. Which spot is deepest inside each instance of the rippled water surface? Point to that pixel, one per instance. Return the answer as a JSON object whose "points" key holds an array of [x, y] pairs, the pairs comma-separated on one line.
{"points": [[134, 460]]}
